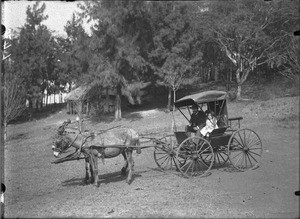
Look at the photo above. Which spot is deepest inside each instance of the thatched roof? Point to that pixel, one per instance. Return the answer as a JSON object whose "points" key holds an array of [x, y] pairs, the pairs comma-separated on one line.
{"points": [[83, 92], [78, 94]]}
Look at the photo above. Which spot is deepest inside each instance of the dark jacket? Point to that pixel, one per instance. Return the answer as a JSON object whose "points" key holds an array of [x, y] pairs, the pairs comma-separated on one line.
{"points": [[198, 119]]}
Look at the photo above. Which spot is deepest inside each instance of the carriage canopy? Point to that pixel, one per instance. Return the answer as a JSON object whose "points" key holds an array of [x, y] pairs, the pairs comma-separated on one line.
{"points": [[202, 97], [212, 100]]}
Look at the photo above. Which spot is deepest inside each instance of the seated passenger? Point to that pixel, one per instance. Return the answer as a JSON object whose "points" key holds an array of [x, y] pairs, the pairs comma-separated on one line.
{"points": [[197, 121], [211, 124]]}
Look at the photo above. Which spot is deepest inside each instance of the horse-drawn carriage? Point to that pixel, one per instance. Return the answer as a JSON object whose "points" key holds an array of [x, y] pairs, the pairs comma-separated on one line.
{"points": [[192, 156], [196, 155]]}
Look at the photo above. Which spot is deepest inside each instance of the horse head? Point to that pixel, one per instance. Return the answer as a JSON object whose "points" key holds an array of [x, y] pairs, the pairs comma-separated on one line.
{"points": [[61, 142]]}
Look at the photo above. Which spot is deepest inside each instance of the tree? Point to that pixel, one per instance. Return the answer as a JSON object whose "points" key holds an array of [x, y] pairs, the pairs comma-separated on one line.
{"points": [[172, 57], [74, 53], [288, 62], [117, 60], [33, 54], [249, 32], [14, 99]]}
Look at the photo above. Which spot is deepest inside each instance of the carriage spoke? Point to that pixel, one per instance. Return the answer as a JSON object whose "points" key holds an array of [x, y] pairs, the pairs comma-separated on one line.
{"points": [[242, 144], [237, 154], [245, 158], [253, 157], [241, 153], [249, 159], [167, 158], [202, 162], [242, 161], [201, 166], [201, 152], [218, 155], [255, 148], [239, 145], [193, 166], [254, 153], [190, 163], [258, 142]]}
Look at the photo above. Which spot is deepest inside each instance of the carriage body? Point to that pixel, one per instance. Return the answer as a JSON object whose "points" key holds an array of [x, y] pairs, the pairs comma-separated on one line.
{"points": [[215, 101], [229, 143]]}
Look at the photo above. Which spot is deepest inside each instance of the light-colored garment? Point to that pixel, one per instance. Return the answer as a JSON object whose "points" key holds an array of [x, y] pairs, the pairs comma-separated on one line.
{"points": [[210, 126]]}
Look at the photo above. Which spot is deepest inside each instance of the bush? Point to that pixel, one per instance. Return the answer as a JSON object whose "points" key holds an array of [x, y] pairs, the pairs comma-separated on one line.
{"points": [[232, 95]]}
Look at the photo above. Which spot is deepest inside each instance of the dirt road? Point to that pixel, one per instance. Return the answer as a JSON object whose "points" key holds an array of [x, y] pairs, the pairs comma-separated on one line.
{"points": [[37, 188]]}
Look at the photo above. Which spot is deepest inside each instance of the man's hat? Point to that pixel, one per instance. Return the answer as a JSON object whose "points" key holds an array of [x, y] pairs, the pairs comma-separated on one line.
{"points": [[194, 106]]}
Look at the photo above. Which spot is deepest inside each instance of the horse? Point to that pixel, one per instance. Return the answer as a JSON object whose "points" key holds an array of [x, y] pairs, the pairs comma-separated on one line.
{"points": [[106, 144]]}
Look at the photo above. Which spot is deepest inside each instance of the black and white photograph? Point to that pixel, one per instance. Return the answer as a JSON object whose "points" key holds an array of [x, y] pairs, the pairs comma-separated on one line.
{"points": [[150, 109]]}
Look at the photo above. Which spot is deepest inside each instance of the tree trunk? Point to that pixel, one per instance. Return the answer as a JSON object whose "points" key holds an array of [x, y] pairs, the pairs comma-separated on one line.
{"points": [[239, 82], [118, 112], [41, 103], [87, 107], [5, 130], [107, 102], [30, 105], [217, 73], [174, 99], [169, 99], [239, 92]]}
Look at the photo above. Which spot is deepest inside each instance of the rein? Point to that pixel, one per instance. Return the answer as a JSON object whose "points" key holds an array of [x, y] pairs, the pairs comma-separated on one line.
{"points": [[71, 143]]}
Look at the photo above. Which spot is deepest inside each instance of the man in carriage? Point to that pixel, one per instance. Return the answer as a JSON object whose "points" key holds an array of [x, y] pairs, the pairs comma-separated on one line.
{"points": [[197, 121]]}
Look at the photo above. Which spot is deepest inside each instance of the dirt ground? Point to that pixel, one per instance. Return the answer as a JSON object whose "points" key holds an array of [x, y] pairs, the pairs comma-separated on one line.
{"points": [[37, 188]]}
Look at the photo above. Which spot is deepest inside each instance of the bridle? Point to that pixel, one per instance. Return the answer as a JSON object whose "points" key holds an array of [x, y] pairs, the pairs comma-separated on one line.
{"points": [[61, 131], [66, 148]]}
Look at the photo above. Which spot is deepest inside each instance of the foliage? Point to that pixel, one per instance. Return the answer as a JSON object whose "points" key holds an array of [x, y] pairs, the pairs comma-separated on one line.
{"points": [[73, 53], [249, 32], [137, 43], [288, 63], [118, 30], [13, 97], [32, 53], [172, 57]]}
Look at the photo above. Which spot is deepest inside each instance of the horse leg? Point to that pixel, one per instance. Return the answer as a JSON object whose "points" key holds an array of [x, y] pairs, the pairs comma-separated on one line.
{"points": [[130, 164], [92, 171], [94, 158], [87, 168], [124, 168]]}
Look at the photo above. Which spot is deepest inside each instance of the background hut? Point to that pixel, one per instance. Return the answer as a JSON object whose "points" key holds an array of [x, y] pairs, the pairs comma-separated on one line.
{"points": [[75, 98], [85, 98]]}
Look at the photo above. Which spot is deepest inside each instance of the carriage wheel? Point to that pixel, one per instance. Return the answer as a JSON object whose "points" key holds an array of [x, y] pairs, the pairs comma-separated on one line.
{"points": [[221, 156], [244, 149], [194, 157], [165, 152]]}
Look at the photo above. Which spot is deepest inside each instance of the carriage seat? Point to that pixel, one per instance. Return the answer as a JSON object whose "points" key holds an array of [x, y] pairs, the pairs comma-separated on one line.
{"points": [[180, 136], [218, 131]]}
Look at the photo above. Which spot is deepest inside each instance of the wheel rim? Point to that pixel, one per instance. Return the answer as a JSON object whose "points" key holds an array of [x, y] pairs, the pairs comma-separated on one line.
{"points": [[164, 153], [244, 149], [194, 157]]}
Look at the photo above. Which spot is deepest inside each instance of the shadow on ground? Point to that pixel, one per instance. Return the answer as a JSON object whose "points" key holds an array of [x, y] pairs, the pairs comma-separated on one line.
{"points": [[103, 179]]}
